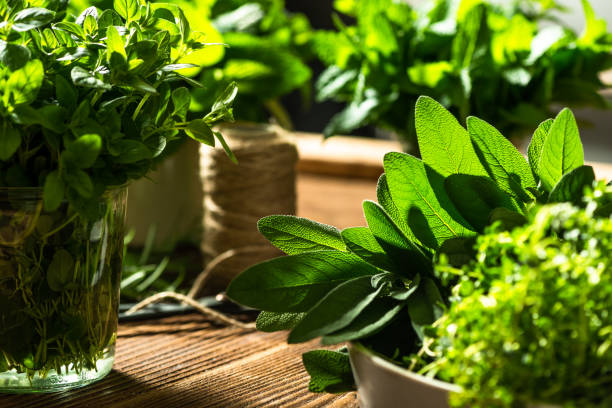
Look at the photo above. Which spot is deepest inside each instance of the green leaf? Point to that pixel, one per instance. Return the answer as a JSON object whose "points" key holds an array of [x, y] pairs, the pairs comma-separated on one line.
{"points": [[84, 151], [475, 197], [132, 151], [109, 18], [65, 93], [82, 77], [507, 218], [418, 192], [336, 310], [114, 43], [503, 162], [330, 371], [79, 181], [10, 140], [425, 305], [534, 151], [374, 317], [275, 321], [25, 82], [14, 56], [562, 150], [361, 242], [404, 253], [128, 9], [571, 186], [295, 235], [33, 17], [444, 144], [181, 99], [295, 283], [385, 200], [226, 147], [458, 251], [429, 74], [53, 191], [60, 270], [71, 28], [199, 130]]}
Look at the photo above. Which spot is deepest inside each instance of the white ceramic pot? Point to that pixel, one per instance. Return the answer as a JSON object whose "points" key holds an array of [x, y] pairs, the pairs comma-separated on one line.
{"points": [[383, 384]]}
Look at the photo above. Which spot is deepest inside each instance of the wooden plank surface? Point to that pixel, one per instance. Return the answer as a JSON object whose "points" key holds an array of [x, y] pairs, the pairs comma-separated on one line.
{"points": [[187, 361]]}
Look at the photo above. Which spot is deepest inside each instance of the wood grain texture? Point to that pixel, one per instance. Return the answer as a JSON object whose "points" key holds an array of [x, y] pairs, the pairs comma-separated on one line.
{"points": [[187, 361]]}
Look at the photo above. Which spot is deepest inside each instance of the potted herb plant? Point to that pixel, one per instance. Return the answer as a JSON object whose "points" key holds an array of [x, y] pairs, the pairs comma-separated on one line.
{"points": [[87, 106], [387, 287], [505, 62]]}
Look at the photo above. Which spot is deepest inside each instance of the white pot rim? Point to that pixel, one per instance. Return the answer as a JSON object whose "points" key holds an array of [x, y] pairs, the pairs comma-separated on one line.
{"points": [[389, 365]]}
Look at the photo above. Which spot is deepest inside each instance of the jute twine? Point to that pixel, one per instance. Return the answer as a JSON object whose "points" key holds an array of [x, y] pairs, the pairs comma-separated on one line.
{"points": [[235, 198]]}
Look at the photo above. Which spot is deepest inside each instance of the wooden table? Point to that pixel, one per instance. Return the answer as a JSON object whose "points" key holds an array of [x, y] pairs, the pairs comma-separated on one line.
{"points": [[187, 361]]}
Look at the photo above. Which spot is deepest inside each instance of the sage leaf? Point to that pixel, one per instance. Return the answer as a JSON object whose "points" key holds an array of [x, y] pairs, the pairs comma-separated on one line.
{"points": [[425, 305], [374, 317], [502, 161], [53, 191], [385, 200], [336, 310], [330, 371], [296, 283], [562, 150], [361, 242], [418, 191], [60, 270], [571, 186], [458, 251], [404, 253], [444, 144], [507, 219], [275, 321], [295, 235], [534, 151], [475, 197], [10, 140]]}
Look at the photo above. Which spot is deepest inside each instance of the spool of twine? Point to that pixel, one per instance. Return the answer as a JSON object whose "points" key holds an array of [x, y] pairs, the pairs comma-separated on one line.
{"points": [[237, 196]]}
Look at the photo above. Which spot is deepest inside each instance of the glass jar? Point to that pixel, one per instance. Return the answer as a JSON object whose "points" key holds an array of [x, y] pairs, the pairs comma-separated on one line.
{"points": [[60, 274]]}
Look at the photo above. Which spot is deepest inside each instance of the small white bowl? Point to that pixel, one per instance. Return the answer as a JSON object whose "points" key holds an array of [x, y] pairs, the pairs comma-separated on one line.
{"points": [[383, 384]]}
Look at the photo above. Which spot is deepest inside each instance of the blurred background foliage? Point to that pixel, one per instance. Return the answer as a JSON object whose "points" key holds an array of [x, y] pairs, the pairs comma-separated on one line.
{"points": [[506, 62]]}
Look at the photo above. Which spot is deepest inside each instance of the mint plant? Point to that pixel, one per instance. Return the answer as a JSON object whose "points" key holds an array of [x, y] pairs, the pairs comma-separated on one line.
{"points": [[503, 61], [85, 107], [377, 284]]}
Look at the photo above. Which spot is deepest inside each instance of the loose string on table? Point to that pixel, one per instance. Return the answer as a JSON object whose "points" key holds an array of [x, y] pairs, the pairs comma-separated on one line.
{"points": [[235, 198]]}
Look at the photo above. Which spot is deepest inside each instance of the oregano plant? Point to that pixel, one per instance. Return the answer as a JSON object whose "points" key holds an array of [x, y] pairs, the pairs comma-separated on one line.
{"points": [[93, 103], [377, 284], [86, 105]]}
